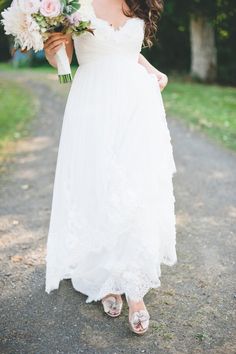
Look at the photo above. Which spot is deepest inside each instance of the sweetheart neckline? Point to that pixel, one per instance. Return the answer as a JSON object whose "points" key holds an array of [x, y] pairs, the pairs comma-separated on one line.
{"points": [[114, 29]]}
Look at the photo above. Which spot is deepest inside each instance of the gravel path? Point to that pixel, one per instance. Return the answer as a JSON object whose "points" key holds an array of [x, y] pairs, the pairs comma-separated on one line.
{"points": [[192, 312]]}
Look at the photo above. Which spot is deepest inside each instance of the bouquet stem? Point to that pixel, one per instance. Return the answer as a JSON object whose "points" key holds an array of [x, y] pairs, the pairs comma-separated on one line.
{"points": [[63, 66]]}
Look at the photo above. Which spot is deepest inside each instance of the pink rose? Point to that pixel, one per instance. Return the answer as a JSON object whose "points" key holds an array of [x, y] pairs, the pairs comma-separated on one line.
{"points": [[50, 8]]}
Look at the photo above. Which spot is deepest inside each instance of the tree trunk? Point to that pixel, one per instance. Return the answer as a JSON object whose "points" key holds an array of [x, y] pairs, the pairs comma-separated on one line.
{"points": [[203, 49]]}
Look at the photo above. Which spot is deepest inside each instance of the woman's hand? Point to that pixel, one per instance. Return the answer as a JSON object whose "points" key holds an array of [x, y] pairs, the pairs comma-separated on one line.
{"points": [[54, 42], [162, 80]]}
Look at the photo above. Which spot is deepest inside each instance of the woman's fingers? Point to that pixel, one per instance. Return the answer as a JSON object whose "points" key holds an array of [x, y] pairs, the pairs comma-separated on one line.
{"points": [[163, 80], [48, 43], [54, 37], [55, 49], [55, 43]]}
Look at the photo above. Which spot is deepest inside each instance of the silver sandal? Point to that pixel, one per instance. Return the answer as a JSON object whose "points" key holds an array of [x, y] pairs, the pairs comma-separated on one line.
{"points": [[112, 307], [139, 319]]}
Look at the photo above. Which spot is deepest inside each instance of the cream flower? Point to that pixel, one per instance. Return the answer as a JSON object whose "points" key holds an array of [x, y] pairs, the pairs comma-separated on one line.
{"points": [[29, 6], [23, 27]]}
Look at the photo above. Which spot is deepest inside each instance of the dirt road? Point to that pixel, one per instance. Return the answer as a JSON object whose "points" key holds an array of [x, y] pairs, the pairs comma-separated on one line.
{"points": [[192, 312]]}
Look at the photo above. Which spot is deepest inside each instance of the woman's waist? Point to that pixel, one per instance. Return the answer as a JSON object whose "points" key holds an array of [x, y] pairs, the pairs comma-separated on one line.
{"points": [[112, 59]]}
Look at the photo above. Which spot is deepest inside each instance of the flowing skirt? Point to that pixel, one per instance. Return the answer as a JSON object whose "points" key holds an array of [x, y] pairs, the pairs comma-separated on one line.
{"points": [[112, 219]]}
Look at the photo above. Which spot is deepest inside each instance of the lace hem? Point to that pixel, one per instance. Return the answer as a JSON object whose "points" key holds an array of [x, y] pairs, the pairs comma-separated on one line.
{"points": [[133, 283]]}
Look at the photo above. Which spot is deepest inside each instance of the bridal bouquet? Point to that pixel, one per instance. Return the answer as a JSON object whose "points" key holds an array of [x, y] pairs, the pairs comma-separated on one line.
{"points": [[32, 21]]}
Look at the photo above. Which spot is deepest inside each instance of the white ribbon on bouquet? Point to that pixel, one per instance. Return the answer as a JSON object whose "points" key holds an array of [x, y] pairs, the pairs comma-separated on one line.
{"points": [[63, 65]]}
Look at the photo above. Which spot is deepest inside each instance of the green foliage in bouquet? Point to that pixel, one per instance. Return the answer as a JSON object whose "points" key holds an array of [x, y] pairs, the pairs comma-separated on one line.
{"points": [[79, 28], [70, 6]]}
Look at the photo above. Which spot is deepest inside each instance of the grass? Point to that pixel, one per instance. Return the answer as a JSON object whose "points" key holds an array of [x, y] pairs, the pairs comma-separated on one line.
{"points": [[17, 106], [211, 108], [6, 67], [16, 110]]}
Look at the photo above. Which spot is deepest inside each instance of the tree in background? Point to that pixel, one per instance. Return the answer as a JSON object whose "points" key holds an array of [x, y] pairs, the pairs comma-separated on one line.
{"points": [[197, 37], [202, 14], [199, 17], [210, 22]]}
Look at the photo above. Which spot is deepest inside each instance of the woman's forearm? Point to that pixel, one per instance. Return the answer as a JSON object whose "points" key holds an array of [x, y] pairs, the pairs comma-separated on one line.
{"points": [[51, 59], [149, 67], [161, 77]]}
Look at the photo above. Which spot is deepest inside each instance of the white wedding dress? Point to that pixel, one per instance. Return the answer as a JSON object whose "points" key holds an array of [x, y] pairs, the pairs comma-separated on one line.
{"points": [[112, 220]]}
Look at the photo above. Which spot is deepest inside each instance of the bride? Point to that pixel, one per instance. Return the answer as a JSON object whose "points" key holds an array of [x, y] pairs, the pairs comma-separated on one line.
{"points": [[112, 220]]}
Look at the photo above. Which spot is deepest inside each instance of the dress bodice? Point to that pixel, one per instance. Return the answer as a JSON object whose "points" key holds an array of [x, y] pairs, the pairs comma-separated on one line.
{"points": [[125, 42]]}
